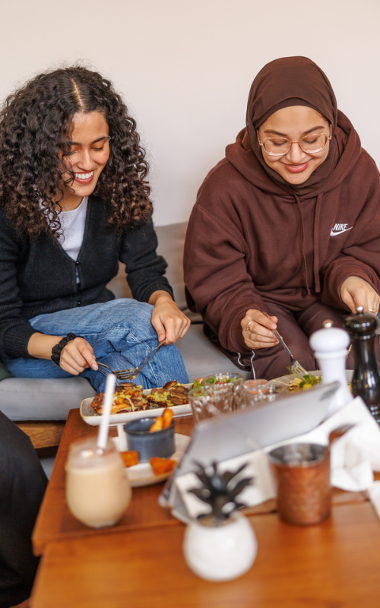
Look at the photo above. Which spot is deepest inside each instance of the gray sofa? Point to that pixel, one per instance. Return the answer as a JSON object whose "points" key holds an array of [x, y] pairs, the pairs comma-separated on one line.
{"points": [[34, 399]]}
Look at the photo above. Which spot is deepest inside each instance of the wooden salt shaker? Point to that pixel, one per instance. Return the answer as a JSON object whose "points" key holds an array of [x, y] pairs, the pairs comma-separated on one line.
{"points": [[330, 346]]}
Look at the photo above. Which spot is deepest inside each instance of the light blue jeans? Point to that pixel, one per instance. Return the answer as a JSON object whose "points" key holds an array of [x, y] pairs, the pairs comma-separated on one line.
{"points": [[121, 334]]}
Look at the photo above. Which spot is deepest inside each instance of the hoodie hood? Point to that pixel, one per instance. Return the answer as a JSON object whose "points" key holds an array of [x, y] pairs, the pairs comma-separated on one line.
{"points": [[299, 81]]}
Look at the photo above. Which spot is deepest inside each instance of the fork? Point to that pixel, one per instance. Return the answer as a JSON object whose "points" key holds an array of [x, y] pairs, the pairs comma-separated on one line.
{"points": [[110, 371], [129, 374], [295, 366]]}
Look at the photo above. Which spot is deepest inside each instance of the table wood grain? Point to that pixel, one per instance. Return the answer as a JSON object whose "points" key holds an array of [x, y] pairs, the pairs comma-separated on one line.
{"points": [[55, 521], [334, 564]]}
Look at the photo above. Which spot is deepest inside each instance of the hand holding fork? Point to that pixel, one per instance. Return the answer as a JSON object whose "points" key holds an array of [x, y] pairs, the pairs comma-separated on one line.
{"points": [[295, 366], [129, 374]]}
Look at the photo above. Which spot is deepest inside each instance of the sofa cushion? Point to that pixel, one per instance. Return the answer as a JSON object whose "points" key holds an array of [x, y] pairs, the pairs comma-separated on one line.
{"points": [[42, 399], [170, 246], [4, 371], [201, 357]]}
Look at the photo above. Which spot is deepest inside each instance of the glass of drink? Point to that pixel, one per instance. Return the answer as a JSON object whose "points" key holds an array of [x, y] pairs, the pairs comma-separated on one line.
{"points": [[211, 400], [256, 391], [97, 487], [222, 396], [201, 404], [233, 378]]}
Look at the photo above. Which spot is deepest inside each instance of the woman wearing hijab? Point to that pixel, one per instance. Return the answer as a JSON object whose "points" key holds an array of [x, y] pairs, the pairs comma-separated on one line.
{"points": [[285, 231]]}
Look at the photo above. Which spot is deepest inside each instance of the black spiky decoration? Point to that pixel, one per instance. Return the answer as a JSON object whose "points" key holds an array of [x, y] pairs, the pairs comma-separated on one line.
{"points": [[220, 490]]}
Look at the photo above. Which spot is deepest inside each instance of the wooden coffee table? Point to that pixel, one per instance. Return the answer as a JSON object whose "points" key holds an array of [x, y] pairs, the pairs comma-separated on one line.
{"points": [[139, 562]]}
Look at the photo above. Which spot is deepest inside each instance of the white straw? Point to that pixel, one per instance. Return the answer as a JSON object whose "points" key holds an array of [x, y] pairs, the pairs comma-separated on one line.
{"points": [[107, 404]]}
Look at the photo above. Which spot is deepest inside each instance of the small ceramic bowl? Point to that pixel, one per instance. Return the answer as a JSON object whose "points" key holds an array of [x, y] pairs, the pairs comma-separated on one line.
{"points": [[149, 444]]}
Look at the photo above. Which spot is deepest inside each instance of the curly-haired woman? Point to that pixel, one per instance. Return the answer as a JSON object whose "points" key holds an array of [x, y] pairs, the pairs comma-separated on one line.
{"points": [[74, 200]]}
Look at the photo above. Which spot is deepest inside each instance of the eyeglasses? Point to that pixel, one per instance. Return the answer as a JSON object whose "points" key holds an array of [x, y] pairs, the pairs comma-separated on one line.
{"points": [[310, 144]]}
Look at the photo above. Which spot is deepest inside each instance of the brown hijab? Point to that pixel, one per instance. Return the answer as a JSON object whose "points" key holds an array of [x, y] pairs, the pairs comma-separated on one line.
{"points": [[293, 81]]}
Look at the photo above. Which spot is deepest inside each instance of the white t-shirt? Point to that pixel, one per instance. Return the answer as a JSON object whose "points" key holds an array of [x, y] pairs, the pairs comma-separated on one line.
{"points": [[72, 230], [72, 225]]}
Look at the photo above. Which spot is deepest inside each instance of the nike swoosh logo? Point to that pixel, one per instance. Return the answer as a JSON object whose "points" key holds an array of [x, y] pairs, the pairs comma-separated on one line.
{"points": [[340, 231]]}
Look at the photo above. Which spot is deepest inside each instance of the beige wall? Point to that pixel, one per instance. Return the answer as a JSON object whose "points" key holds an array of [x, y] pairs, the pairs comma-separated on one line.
{"points": [[185, 67]]}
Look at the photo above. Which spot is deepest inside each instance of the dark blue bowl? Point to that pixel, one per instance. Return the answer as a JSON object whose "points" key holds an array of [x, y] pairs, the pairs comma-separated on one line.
{"points": [[149, 444]]}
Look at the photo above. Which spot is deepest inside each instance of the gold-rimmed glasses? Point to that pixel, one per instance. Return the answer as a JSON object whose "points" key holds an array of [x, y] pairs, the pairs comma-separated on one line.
{"points": [[312, 143]]}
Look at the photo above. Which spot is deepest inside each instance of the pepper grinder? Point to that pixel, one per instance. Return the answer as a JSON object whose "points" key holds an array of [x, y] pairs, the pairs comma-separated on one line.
{"points": [[366, 377], [330, 346]]}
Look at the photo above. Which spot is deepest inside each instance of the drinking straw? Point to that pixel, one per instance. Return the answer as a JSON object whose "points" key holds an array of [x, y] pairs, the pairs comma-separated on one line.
{"points": [[107, 404]]}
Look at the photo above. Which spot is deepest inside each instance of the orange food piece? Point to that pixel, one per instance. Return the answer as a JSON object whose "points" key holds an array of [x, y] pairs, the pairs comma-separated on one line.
{"points": [[164, 421], [157, 424], [130, 458], [162, 465], [167, 417]]}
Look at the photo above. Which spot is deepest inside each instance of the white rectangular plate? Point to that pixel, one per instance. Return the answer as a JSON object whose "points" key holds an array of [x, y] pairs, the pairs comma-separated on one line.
{"points": [[91, 417]]}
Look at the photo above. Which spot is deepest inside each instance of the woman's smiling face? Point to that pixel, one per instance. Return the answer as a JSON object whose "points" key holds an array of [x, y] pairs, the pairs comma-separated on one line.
{"points": [[89, 153], [293, 123]]}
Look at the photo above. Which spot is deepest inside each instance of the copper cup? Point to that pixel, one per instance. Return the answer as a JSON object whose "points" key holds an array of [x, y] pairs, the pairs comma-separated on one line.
{"points": [[302, 475]]}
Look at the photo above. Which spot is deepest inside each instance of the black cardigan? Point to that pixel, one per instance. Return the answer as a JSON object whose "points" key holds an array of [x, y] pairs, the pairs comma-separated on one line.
{"points": [[37, 276]]}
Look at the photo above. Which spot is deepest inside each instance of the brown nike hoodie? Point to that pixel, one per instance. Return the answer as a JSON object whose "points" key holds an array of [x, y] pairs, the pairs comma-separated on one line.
{"points": [[253, 238]]}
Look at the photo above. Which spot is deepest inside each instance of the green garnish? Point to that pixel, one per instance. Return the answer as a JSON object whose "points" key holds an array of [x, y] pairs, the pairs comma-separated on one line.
{"points": [[214, 380], [310, 379], [198, 383]]}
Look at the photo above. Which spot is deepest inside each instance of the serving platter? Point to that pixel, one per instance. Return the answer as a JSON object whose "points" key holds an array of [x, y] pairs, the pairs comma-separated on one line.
{"points": [[90, 416], [142, 474]]}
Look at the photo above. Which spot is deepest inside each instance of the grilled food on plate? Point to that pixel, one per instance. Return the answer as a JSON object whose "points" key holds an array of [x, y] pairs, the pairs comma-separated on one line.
{"points": [[131, 398]]}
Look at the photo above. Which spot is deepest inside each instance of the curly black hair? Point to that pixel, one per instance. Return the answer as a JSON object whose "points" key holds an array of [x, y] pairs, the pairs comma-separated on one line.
{"points": [[35, 124]]}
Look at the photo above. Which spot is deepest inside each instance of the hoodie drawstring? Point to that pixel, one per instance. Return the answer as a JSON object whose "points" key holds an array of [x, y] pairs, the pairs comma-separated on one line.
{"points": [[317, 216], [303, 246]]}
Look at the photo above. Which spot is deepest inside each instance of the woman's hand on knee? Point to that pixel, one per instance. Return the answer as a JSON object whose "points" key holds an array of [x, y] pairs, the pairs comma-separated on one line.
{"points": [[168, 320], [357, 292], [76, 356], [256, 329]]}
